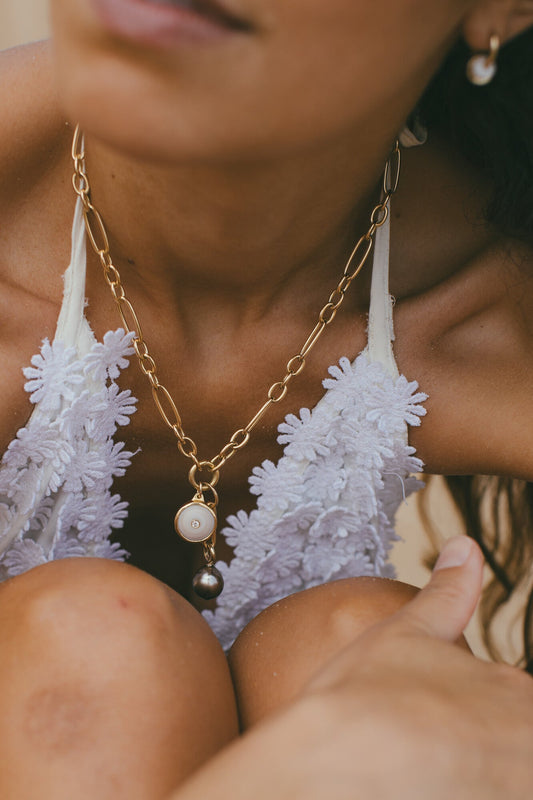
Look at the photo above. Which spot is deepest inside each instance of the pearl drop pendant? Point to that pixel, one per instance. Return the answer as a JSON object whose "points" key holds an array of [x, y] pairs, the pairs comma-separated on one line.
{"points": [[197, 522], [208, 582]]}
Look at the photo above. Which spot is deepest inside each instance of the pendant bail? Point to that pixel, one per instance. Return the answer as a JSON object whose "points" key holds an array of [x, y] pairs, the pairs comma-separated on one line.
{"points": [[209, 551], [210, 481]]}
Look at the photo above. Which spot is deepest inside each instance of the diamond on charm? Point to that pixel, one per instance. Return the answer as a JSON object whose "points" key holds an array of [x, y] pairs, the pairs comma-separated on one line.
{"points": [[195, 522]]}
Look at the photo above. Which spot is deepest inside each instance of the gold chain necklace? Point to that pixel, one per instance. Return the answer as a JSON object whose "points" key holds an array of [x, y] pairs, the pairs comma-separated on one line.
{"points": [[197, 521]]}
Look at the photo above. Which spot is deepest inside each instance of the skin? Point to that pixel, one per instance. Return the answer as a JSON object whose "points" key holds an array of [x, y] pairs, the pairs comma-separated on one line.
{"points": [[118, 688], [281, 189], [400, 713], [268, 673]]}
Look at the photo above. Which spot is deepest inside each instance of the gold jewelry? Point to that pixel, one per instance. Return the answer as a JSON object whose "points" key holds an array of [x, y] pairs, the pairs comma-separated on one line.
{"points": [[197, 520], [482, 67]]}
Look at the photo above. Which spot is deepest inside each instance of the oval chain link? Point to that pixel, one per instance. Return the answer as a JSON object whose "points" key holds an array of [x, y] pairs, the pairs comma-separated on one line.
{"points": [[163, 400]]}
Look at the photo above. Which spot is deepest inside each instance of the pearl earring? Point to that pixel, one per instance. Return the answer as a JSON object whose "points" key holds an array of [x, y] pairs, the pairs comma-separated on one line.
{"points": [[481, 68]]}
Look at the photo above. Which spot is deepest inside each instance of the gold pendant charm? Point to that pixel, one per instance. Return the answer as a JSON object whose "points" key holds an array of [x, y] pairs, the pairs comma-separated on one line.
{"points": [[196, 521]]}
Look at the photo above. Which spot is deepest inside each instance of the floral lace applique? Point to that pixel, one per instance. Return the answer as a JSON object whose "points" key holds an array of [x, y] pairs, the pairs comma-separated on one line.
{"points": [[56, 475], [326, 510]]}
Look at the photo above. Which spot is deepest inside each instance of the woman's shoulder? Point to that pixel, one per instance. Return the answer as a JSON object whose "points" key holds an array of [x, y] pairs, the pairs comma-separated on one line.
{"points": [[32, 127], [34, 158], [464, 318], [473, 354]]}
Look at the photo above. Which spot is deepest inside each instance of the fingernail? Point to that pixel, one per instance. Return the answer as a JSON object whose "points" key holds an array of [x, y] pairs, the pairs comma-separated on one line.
{"points": [[454, 553]]}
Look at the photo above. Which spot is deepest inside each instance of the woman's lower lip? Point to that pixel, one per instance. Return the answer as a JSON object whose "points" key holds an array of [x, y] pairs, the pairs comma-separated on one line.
{"points": [[157, 24]]}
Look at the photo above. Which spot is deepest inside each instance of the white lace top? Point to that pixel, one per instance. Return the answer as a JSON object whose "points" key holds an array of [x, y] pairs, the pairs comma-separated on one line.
{"points": [[324, 511]]}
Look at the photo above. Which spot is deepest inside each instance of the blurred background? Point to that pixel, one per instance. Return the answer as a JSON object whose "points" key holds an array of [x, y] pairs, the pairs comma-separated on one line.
{"points": [[24, 21]]}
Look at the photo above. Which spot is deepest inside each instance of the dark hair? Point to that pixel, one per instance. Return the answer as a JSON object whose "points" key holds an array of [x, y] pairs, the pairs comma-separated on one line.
{"points": [[493, 127]]}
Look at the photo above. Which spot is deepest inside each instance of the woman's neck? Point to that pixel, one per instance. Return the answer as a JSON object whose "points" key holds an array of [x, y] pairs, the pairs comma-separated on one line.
{"points": [[241, 231]]}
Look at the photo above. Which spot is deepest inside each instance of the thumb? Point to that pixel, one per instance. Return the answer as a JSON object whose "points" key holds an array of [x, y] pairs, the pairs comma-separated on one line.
{"points": [[444, 607]]}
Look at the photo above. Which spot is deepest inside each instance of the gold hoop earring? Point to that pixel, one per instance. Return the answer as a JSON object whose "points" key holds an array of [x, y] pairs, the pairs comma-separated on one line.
{"points": [[482, 67]]}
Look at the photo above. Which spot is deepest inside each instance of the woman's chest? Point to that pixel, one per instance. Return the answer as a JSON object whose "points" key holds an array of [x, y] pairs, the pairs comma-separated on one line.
{"points": [[344, 467], [465, 361], [210, 414]]}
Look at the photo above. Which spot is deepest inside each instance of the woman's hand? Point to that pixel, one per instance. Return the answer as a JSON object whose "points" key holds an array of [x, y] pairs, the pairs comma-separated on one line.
{"points": [[431, 720], [402, 713]]}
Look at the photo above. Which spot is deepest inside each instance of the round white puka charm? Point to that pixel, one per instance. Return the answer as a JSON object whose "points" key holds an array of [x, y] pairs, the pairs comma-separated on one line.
{"points": [[480, 70], [195, 522]]}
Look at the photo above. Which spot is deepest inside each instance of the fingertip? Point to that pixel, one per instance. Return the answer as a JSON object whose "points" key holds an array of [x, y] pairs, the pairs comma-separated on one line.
{"points": [[455, 553], [444, 607]]}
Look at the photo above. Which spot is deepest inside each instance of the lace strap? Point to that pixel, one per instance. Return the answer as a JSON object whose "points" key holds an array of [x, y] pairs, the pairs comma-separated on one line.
{"points": [[72, 327], [380, 320]]}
